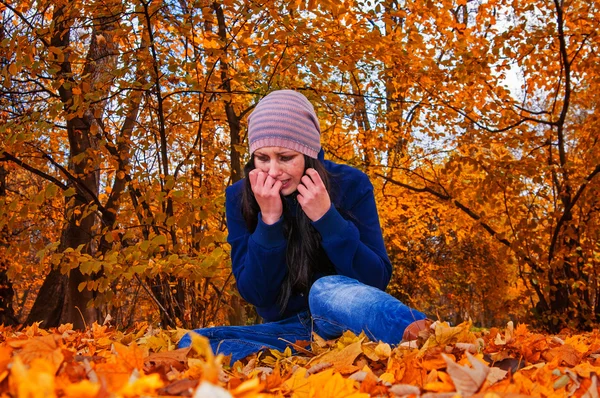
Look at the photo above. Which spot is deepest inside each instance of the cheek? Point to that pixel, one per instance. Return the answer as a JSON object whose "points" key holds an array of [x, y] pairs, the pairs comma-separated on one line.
{"points": [[298, 171]]}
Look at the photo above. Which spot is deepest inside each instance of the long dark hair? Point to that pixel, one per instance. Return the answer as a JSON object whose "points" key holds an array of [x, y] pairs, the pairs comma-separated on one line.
{"points": [[304, 254]]}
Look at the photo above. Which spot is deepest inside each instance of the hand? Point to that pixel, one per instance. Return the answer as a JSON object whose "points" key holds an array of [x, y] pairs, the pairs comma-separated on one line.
{"points": [[313, 196], [266, 191]]}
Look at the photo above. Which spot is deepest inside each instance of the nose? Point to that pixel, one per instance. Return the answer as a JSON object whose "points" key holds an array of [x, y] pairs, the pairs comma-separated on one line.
{"points": [[274, 169]]}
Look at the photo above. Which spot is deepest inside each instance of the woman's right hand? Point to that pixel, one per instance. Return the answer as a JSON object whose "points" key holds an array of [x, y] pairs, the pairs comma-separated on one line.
{"points": [[266, 191]]}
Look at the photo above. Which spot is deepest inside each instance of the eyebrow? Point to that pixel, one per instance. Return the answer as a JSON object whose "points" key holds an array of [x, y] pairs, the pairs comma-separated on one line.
{"points": [[282, 153]]}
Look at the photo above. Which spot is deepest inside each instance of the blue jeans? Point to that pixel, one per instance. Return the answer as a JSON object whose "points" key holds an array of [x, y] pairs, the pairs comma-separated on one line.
{"points": [[337, 303]]}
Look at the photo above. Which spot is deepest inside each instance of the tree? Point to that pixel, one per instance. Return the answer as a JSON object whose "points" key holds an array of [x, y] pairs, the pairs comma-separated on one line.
{"points": [[133, 114], [523, 165]]}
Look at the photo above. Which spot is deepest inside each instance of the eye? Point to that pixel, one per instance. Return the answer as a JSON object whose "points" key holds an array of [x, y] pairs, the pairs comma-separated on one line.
{"points": [[262, 158], [286, 158]]}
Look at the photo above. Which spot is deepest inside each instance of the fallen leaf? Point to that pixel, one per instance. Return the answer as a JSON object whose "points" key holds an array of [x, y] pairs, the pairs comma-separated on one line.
{"points": [[405, 389], [35, 381], [45, 347], [565, 354], [298, 384], [495, 375], [176, 359], [467, 380], [179, 387], [341, 360]]}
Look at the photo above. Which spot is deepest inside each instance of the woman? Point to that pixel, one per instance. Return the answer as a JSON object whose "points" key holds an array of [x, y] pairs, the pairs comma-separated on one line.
{"points": [[306, 244]]}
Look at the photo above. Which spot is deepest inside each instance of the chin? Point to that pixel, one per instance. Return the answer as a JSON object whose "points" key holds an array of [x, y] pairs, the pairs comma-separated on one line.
{"points": [[288, 191]]}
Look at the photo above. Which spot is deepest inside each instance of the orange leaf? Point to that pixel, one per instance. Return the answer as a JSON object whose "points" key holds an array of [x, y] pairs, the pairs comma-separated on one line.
{"points": [[44, 347]]}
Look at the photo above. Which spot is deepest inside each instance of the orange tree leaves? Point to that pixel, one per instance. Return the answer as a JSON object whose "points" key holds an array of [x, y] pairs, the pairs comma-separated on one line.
{"points": [[484, 111]]}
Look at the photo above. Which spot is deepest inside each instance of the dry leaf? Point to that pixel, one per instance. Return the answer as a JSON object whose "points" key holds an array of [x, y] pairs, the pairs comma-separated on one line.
{"points": [[341, 360], [467, 380], [44, 347], [404, 389], [495, 375], [176, 359], [592, 392]]}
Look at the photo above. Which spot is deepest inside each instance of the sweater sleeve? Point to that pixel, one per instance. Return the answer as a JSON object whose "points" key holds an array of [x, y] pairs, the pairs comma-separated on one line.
{"points": [[356, 247], [258, 258]]}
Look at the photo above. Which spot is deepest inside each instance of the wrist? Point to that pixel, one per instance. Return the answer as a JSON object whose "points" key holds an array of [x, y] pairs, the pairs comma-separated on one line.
{"points": [[270, 219]]}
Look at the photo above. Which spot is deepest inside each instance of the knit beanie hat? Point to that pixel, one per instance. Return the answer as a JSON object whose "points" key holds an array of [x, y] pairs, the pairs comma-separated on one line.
{"points": [[285, 118]]}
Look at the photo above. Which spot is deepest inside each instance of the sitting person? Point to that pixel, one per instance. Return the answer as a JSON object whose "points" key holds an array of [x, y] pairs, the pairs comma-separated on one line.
{"points": [[306, 244]]}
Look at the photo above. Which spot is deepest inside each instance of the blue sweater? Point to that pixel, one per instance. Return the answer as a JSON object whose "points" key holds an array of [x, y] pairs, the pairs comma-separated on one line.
{"points": [[355, 247]]}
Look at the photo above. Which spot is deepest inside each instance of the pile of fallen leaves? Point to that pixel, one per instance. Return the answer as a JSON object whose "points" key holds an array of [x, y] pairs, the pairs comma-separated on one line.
{"points": [[446, 362]]}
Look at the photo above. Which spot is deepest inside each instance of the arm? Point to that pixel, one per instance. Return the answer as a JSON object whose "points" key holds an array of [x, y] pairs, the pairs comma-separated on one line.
{"points": [[257, 259], [356, 247]]}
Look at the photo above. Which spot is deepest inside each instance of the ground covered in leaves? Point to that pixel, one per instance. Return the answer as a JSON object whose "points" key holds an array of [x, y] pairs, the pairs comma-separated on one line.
{"points": [[446, 362]]}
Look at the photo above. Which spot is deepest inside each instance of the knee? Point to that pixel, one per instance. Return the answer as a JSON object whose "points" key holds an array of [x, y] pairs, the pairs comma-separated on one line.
{"points": [[324, 287], [325, 283]]}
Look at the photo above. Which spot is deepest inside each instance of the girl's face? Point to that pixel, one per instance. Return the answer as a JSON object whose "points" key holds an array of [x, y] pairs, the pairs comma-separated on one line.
{"points": [[281, 164]]}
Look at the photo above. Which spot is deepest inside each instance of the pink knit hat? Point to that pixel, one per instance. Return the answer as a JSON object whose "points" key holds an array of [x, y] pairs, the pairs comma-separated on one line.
{"points": [[285, 118]]}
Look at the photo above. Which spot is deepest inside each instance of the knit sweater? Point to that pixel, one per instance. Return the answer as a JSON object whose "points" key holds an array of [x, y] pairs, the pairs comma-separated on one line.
{"points": [[354, 246]]}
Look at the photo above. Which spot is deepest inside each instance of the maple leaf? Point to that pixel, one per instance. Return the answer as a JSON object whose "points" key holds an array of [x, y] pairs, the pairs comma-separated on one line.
{"points": [[467, 380], [343, 359], [165, 361], [44, 347], [332, 385], [298, 384]]}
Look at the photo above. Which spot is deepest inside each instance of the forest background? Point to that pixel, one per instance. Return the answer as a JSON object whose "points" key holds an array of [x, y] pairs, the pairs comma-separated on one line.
{"points": [[122, 122]]}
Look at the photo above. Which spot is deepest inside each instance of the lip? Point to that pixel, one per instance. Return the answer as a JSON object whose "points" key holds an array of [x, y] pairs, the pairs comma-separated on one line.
{"points": [[285, 183]]}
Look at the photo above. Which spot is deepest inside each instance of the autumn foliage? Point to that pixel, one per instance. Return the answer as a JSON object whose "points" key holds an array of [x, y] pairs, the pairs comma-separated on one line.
{"points": [[122, 122]]}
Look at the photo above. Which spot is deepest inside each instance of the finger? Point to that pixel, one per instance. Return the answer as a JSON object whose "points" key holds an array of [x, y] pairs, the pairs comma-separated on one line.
{"points": [[302, 190], [270, 182], [252, 177], [301, 200], [307, 182], [315, 177], [260, 179]]}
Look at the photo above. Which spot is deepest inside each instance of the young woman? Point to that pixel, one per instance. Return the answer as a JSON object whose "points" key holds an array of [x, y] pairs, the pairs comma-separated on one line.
{"points": [[306, 244]]}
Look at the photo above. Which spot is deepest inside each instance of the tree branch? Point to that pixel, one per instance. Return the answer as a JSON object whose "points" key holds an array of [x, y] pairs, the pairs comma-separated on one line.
{"points": [[10, 157]]}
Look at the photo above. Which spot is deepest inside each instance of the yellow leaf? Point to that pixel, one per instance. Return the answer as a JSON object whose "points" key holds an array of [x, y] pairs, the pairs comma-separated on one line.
{"points": [[329, 385], [82, 389], [387, 377], [341, 360], [142, 385], [37, 381], [298, 384], [248, 389]]}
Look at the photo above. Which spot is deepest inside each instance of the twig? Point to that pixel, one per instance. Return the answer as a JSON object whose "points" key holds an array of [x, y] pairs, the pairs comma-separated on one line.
{"points": [[154, 299]]}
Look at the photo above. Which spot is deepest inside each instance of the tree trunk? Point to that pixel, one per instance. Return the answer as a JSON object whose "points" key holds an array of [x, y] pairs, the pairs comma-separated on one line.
{"points": [[59, 299], [7, 293]]}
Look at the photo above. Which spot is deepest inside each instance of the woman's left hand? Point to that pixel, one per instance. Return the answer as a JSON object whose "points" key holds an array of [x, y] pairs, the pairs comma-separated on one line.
{"points": [[313, 196]]}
